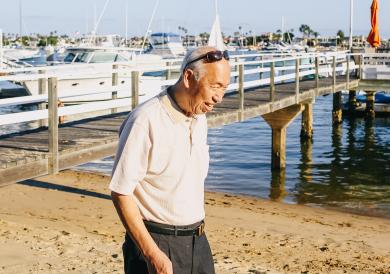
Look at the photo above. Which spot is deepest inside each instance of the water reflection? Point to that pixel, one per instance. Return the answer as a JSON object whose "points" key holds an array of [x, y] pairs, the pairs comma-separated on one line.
{"points": [[278, 185], [357, 173]]}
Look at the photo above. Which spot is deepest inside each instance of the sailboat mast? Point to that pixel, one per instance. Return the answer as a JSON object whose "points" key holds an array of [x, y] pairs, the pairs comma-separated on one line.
{"points": [[1, 48], [149, 25], [20, 19], [127, 11], [350, 24], [86, 21]]}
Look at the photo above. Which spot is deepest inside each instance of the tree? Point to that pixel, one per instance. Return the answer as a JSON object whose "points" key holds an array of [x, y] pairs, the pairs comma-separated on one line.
{"points": [[340, 37], [288, 36], [42, 43], [303, 29]]}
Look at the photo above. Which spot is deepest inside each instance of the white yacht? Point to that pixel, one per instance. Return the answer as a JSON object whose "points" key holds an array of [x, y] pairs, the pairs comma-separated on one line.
{"points": [[166, 44], [88, 69]]}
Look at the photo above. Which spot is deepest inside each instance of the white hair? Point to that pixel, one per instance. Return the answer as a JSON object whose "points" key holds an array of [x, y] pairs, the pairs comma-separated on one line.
{"points": [[197, 67]]}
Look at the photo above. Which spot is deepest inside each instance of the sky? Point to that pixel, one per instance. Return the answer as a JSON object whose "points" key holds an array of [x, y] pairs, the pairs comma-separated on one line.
{"points": [[259, 16]]}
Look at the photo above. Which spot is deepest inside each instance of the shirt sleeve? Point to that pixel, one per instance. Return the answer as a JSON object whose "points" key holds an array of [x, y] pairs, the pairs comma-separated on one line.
{"points": [[131, 160]]}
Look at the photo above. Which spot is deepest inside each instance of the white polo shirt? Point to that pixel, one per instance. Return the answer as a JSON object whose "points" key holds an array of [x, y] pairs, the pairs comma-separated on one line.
{"points": [[163, 159]]}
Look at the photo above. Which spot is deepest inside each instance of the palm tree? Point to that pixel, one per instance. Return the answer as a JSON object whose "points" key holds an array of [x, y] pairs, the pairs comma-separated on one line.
{"points": [[340, 36]]}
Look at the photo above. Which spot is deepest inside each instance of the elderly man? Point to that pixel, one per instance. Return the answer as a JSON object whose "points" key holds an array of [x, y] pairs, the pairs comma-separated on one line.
{"points": [[162, 161]]}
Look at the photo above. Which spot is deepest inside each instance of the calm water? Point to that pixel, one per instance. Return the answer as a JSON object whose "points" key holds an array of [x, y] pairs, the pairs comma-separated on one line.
{"points": [[346, 167]]}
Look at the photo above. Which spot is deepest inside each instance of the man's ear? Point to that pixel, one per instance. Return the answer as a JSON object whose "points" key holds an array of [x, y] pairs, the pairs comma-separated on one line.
{"points": [[187, 75]]}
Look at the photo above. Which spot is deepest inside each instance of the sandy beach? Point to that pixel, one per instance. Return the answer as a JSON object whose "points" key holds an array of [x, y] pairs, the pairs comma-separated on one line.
{"points": [[67, 224]]}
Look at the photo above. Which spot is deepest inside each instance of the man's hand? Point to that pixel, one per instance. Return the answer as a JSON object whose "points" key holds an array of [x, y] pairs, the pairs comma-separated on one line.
{"points": [[159, 263]]}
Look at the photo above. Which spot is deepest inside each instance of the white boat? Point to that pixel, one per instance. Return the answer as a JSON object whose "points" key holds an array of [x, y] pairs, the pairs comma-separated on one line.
{"points": [[166, 44], [89, 70]]}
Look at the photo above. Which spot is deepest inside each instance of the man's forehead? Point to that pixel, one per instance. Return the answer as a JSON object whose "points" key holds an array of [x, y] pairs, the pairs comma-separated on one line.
{"points": [[219, 67], [218, 72]]}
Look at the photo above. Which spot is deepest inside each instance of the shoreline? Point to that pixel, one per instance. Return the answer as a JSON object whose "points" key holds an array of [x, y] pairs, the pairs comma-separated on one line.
{"points": [[356, 211], [66, 223]]}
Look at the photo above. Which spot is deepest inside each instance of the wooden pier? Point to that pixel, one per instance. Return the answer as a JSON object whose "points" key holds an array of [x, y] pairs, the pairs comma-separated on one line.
{"points": [[43, 151]]}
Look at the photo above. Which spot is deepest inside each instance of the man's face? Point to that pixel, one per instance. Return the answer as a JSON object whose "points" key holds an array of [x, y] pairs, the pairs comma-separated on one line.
{"points": [[210, 88]]}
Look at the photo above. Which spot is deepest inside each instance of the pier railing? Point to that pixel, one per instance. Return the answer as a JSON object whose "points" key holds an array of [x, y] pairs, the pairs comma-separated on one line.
{"points": [[248, 71]]}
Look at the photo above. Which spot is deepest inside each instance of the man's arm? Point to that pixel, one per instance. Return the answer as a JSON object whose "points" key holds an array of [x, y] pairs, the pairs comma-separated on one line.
{"points": [[132, 220]]}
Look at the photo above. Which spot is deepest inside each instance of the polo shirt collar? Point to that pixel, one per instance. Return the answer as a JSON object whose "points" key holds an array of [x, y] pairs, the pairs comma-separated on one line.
{"points": [[173, 109]]}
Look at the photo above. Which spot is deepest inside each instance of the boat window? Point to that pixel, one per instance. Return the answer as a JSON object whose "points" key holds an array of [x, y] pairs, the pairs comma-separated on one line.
{"points": [[82, 58], [69, 57], [120, 58], [103, 57]]}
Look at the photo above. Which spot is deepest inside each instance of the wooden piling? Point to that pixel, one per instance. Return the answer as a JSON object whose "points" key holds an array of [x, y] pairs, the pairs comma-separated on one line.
{"points": [[370, 102], [307, 122], [53, 126], [278, 185], [352, 102], [337, 111]]}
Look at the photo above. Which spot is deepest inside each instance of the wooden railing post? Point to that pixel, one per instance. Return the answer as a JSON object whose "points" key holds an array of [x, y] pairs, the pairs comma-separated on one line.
{"points": [[241, 87], [297, 63], [42, 89], [134, 89], [169, 72], [348, 71], [282, 71], [317, 73], [334, 72], [114, 94], [53, 126], [361, 62], [272, 82], [261, 67], [236, 69]]}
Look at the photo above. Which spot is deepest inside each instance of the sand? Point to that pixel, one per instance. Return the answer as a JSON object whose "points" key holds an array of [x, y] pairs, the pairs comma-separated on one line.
{"points": [[67, 224]]}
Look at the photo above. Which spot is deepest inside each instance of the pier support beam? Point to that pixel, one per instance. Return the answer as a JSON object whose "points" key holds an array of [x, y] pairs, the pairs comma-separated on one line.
{"points": [[337, 111], [307, 122], [370, 101], [279, 121]]}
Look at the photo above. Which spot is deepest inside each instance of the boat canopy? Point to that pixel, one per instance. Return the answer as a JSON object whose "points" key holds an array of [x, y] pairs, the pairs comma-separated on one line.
{"points": [[165, 34]]}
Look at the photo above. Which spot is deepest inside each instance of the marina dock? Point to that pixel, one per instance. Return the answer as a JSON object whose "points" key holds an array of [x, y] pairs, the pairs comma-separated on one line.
{"points": [[282, 92]]}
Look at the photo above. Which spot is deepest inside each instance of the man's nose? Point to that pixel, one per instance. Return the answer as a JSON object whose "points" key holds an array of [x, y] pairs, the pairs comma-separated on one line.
{"points": [[217, 98]]}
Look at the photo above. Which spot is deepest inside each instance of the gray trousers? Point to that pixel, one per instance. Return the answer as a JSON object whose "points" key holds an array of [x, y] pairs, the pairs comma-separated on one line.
{"points": [[188, 254]]}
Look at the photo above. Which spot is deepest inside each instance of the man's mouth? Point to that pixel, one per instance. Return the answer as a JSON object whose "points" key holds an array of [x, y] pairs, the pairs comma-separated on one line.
{"points": [[209, 106]]}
